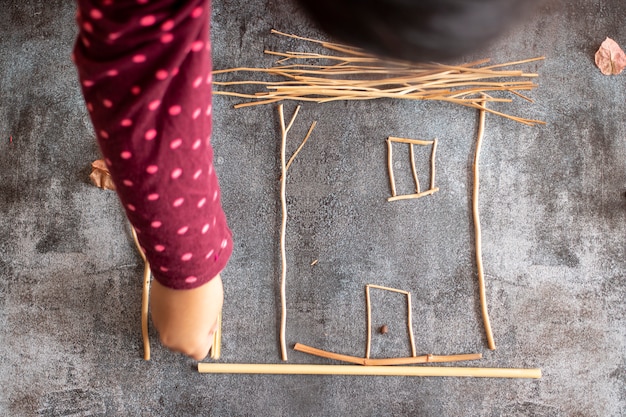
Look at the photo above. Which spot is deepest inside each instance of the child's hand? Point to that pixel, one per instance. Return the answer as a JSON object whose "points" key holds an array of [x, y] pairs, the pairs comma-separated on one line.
{"points": [[187, 319]]}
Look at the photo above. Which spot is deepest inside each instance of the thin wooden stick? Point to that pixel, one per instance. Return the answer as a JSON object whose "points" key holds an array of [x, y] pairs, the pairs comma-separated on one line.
{"points": [[302, 369], [380, 287], [410, 196], [477, 231], [386, 361], [283, 257], [390, 167], [368, 307], [410, 324], [432, 165], [411, 141], [216, 348], [413, 170], [145, 298]]}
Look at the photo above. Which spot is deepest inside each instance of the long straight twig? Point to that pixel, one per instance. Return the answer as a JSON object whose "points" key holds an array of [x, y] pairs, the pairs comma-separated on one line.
{"points": [[477, 231], [283, 203], [302, 369], [283, 227]]}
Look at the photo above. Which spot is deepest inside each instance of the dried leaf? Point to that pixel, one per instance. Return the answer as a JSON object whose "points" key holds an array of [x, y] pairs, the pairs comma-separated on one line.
{"points": [[610, 58], [100, 175]]}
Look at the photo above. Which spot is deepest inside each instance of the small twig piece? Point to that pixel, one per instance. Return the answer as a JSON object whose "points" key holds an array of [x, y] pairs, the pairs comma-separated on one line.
{"points": [[413, 170], [301, 369], [145, 298], [387, 361], [390, 167], [477, 231], [432, 165]]}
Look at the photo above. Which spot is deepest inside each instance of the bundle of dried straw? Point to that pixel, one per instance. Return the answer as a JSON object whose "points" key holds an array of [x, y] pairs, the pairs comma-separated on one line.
{"points": [[356, 75]]}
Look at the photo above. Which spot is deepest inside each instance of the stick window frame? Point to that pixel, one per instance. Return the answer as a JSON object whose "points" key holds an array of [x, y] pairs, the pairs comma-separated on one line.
{"points": [[411, 142]]}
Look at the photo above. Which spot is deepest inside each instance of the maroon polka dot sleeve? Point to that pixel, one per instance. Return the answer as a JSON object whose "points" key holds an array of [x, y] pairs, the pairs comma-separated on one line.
{"points": [[145, 70]]}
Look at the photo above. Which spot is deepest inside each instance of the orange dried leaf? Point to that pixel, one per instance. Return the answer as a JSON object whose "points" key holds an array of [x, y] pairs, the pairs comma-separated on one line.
{"points": [[100, 175], [610, 58]]}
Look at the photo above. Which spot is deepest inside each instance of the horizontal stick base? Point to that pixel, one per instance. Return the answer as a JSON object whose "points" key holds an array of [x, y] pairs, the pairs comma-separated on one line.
{"points": [[306, 369]]}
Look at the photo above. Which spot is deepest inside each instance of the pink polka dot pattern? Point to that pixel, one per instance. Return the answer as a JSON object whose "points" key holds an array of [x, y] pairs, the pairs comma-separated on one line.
{"points": [[197, 46], [175, 144], [167, 25], [147, 20], [95, 14], [150, 104], [176, 174], [150, 134]]}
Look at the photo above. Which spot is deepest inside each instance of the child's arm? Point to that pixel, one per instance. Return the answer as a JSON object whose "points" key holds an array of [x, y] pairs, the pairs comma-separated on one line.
{"points": [[145, 72]]}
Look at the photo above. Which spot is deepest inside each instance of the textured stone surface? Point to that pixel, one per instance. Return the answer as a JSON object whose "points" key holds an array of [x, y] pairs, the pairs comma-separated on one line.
{"points": [[553, 215]]}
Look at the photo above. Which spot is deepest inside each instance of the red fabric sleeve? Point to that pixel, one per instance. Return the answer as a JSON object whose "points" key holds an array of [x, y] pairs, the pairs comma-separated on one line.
{"points": [[145, 70]]}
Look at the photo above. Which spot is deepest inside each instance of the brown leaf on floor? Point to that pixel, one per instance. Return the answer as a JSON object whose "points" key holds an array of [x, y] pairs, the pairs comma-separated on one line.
{"points": [[610, 58], [100, 175]]}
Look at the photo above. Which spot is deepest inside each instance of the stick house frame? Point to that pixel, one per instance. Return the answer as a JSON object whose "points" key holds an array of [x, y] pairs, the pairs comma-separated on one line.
{"points": [[418, 192]]}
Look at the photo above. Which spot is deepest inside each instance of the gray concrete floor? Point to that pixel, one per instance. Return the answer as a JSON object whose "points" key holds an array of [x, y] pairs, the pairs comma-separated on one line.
{"points": [[553, 210]]}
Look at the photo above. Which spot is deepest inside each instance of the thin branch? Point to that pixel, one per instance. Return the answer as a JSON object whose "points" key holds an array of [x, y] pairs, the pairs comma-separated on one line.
{"points": [[477, 231]]}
